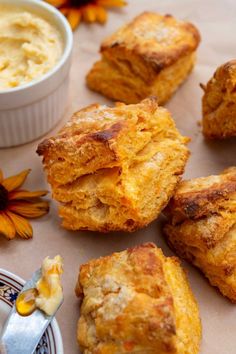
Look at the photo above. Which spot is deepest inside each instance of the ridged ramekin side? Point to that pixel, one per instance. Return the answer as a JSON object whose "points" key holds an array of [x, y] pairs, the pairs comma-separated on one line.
{"points": [[27, 123]]}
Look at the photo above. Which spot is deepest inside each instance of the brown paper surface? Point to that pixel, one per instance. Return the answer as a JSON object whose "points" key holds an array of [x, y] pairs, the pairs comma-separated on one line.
{"points": [[217, 24]]}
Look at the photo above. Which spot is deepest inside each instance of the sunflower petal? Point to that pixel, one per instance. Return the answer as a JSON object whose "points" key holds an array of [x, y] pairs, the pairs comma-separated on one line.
{"points": [[29, 210], [65, 10], [7, 228], [111, 3], [15, 182], [74, 17], [22, 226], [1, 176], [57, 3], [23, 194], [89, 13], [101, 14]]}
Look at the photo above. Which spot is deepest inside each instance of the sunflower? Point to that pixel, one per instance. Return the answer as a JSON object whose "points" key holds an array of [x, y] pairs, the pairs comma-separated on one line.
{"points": [[18, 204], [85, 10]]}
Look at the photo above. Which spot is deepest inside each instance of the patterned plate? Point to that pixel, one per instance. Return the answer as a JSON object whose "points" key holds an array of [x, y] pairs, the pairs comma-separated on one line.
{"points": [[10, 285]]}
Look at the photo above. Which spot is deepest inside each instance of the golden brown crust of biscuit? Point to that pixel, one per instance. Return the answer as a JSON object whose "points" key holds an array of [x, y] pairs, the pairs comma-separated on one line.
{"points": [[151, 55], [219, 103], [101, 137], [205, 234], [159, 40], [137, 301], [201, 196], [115, 168]]}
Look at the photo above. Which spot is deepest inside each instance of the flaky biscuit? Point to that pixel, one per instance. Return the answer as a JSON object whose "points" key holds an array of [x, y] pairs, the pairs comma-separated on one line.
{"points": [[115, 168], [151, 55], [202, 227], [219, 103], [137, 301]]}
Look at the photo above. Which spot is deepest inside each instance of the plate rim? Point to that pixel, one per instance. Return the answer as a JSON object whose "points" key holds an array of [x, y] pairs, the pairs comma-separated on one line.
{"points": [[54, 324]]}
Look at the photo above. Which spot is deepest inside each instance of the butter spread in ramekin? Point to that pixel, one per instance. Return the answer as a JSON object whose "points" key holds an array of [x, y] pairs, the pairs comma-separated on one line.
{"points": [[29, 46]]}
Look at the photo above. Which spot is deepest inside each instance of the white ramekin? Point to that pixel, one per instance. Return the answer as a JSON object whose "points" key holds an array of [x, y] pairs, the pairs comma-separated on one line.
{"points": [[31, 110]]}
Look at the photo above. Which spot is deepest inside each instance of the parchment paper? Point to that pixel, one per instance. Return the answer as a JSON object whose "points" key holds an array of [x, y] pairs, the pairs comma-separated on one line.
{"points": [[217, 24]]}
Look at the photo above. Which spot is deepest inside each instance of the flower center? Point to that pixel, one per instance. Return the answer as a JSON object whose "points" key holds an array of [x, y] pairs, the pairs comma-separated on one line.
{"points": [[81, 2], [3, 198]]}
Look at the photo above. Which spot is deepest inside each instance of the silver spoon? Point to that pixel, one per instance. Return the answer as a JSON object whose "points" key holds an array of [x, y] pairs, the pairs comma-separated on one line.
{"points": [[21, 334]]}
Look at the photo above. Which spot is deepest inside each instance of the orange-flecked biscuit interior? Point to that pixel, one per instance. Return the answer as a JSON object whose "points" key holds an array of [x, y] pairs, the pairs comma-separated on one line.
{"points": [[219, 103], [137, 301], [115, 168], [201, 227]]}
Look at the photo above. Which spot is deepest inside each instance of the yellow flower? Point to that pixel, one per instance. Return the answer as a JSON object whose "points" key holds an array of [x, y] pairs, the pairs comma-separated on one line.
{"points": [[18, 204], [85, 10]]}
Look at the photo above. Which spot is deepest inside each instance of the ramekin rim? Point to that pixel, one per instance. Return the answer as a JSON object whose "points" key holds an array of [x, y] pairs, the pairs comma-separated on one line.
{"points": [[65, 55]]}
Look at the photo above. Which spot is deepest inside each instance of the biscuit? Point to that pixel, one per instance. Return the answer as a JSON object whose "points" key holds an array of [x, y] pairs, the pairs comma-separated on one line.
{"points": [[219, 103], [151, 55], [137, 301], [115, 168], [201, 227]]}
